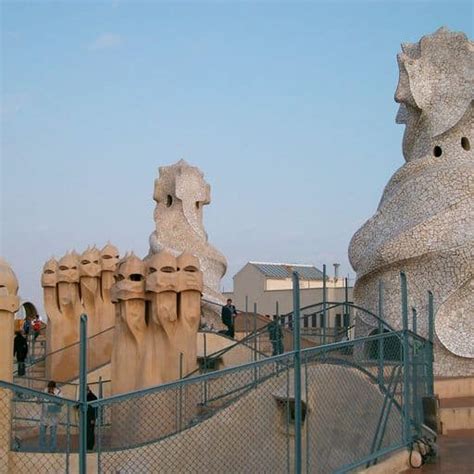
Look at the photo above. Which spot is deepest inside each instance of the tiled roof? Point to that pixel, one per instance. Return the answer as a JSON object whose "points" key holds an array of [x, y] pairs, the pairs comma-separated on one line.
{"points": [[284, 270]]}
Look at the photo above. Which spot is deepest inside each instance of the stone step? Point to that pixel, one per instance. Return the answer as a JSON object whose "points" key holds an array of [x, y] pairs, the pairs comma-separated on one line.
{"points": [[456, 414], [465, 434], [459, 402], [454, 387]]}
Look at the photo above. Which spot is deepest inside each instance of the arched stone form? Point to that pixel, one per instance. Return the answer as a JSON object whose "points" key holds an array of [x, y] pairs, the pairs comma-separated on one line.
{"points": [[424, 224]]}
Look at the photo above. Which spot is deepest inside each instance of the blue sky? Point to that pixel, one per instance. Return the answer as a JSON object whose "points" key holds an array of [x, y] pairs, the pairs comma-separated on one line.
{"points": [[287, 108]]}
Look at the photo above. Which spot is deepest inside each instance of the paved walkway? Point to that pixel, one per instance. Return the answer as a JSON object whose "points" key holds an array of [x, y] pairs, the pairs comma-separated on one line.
{"points": [[456, 455]]}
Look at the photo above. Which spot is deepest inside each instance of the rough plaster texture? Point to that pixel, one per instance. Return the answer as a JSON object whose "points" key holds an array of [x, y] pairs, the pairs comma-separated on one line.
{"points": [[158, 308], [9, 304], [72, 286], [424, 224], [181, 194], [239, 354], [227, 441]]}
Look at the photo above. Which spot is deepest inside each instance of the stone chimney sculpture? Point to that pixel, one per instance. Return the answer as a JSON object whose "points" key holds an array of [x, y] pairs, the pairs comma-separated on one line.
{"points": [[424, 224], [158, 311], [181, 194], [9, 305], [75, 285]]}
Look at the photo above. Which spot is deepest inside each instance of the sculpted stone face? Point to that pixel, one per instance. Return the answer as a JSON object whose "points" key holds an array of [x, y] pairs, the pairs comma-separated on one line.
{"points": [[8, 280], [157, 318], [73, 286], [90, 263], [424, 224], [48, 277], [68, 269], [109, 258], [190, 276], [129, 280], [435, 87], [162, 273]]}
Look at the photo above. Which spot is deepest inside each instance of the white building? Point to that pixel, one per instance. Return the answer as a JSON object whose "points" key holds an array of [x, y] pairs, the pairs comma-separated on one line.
{"points": [[267, 284]]}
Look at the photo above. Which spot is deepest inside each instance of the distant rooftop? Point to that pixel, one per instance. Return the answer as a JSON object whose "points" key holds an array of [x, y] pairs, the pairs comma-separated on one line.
{"points": [[284, 270]]}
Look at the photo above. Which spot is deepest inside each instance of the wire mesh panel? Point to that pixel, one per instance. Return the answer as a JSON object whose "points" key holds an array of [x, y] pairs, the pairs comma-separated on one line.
{"points": [[419, 380], [360, 399], [243, 419], [62, 365], [39, 430], [233, 421], [353, 410]]}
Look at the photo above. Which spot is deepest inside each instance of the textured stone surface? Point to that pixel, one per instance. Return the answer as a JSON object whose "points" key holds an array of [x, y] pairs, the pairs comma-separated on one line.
{"points": [[424, 224], [9, 304], [180, 194], [158, 309], [73, 286]]}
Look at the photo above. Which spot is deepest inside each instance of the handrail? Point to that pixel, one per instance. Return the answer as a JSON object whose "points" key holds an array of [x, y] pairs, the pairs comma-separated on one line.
{"points": [[49, 354], [242, 390], [36, 393], [321, 354], [343, 303], [251, 336]]}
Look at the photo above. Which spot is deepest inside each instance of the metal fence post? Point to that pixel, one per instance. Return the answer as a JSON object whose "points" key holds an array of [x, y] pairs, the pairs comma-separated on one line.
{"points": [[406, 359], [414, 326], [99, 422], [68, 436], [205, 369], [308, 450], [255, 342], [381, 340], [414, 372], [297, 370], [83, 396], [180, 411], [430, 343], [246, 315], [255, 331], [346, 321], [324, 303]]}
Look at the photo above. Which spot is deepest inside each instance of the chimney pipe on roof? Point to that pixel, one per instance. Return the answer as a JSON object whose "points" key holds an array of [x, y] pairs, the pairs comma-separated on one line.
{"points": [[336, 270]]}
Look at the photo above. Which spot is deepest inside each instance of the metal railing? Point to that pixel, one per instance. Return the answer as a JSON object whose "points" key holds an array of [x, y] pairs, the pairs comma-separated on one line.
{"points": [[329, 408], [57, 364]]}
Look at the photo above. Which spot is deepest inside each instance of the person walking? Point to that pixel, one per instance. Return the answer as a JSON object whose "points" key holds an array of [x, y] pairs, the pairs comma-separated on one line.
{"points": [[20, 350], [91, 419], [36, 327], [26, 325], [276, 336], [50, 413], [228, 314]]}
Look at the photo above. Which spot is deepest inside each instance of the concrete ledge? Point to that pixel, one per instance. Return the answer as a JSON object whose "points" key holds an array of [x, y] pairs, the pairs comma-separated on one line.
{"points": [[454, 387], [395, 463]]}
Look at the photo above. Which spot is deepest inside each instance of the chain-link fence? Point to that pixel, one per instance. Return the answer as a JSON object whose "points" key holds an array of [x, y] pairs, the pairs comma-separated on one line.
{"points": [[319, 409], [62, 365], [243, 419], [359, 400], [38, 431]]}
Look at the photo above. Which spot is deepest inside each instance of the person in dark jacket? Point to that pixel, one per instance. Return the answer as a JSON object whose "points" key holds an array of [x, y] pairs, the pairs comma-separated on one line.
{"points": [[26, 325], [276, 336], [20, 350], [91, 419], [227, 315]]}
